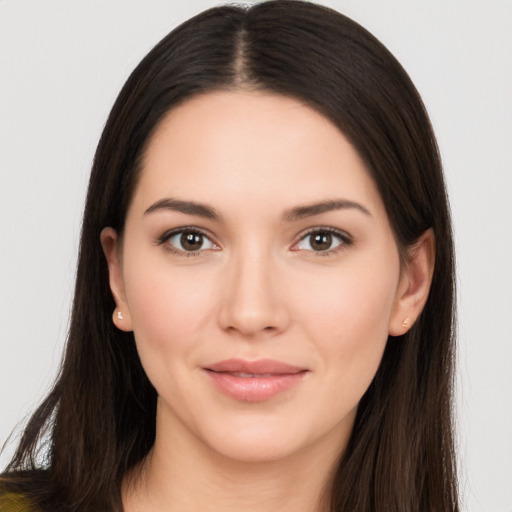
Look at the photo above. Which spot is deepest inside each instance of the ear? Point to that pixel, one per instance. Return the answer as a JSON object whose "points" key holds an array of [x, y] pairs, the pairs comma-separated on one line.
{"points": [[414, 285], [112, 250]]}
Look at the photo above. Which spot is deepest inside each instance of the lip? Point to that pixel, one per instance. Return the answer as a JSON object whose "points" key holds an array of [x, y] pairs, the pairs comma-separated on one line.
{"points": [[254, 381]]}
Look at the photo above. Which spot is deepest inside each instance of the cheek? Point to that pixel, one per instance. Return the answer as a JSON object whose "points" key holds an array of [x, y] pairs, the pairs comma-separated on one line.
{"points": [[348, 316], [169, 306], [351, 302]]}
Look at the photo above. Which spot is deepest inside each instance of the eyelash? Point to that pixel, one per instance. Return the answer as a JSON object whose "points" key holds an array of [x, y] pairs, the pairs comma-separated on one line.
{"points": [[162, 240], [344, 239]]}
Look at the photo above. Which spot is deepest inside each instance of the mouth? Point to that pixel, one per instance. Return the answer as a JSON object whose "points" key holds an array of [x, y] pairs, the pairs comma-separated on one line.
{"points": [[254, 381]]}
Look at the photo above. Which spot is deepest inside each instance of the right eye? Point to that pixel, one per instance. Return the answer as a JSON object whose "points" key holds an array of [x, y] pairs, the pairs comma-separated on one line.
{"points": [[188, 242]]}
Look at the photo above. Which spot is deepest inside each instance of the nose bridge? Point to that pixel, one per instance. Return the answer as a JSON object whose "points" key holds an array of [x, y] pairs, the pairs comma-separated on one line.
{"points": [[251, 301]]}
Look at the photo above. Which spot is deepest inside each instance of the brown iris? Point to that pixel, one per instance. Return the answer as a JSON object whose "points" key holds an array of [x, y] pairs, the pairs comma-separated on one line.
{"points": [[191, 241], [321, 241]]}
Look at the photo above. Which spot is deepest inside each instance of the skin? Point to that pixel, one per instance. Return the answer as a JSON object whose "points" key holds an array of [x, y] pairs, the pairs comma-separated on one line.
{"points": [[258, 288]]}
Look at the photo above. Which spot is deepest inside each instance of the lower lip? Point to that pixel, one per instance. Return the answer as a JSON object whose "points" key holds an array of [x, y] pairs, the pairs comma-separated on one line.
{"points": [[254, 389]]}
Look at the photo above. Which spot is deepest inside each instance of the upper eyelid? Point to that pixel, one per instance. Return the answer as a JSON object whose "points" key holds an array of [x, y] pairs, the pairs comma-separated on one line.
{"points": [[344, 235], [335, 231], [163, 240], [172, 232], [346, 240]]}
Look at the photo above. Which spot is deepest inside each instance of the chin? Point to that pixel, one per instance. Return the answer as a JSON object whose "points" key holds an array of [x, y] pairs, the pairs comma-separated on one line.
{"points": [[260, 439], [257, 450]]}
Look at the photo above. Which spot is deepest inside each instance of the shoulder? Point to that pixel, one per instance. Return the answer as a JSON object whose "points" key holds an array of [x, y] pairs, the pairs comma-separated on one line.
{"points": [[13, 501]]}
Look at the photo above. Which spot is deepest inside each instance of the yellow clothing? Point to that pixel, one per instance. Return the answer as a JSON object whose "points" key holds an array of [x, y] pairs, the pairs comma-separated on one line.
{"points": [[11, 502]]}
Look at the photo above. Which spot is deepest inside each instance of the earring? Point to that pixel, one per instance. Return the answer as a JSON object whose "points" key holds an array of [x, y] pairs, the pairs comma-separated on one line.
{"points": [[406, 321], [120, 315]]}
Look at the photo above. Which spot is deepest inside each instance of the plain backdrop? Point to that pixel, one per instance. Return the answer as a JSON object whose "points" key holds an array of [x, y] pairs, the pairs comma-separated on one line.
{"points": [[62, 63]]}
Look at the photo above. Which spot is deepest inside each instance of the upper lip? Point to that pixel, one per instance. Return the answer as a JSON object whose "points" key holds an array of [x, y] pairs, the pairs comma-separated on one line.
{"points": [[260, 366]]}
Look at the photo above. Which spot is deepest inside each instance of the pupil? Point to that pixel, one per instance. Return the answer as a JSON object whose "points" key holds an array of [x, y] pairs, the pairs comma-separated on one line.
{"points": [[191, 241], [321, 241]]}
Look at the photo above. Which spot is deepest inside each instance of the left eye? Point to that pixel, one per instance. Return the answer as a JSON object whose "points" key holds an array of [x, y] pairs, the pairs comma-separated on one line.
{"points": [[190, 241], [320, 241]]}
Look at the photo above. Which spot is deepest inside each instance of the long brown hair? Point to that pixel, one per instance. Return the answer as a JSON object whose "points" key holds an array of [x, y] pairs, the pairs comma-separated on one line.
{"points": [[99, 419]]}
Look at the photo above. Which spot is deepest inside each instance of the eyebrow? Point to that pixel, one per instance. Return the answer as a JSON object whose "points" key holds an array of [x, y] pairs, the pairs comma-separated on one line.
{"points": [[300, 212], [294, 214], [186, 207]]}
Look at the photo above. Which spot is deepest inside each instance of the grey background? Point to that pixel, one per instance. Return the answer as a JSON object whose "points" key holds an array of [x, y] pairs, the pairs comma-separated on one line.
{"points": [[63, 62]]}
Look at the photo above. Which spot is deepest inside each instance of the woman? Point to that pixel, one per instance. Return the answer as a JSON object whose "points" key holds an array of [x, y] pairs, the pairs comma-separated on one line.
{"points": [[265, 285]]}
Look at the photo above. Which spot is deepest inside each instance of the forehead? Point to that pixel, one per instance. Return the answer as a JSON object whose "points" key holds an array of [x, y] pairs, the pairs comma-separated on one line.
{"points": [[266, 147]]}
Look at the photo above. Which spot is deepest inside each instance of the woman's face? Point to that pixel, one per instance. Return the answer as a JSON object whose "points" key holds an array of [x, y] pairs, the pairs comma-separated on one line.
{"points": [[260, 276]]}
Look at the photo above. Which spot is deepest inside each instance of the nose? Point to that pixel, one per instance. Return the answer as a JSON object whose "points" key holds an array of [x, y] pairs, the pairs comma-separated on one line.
{"points": [[252, 299]]}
